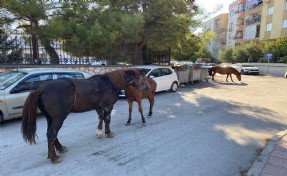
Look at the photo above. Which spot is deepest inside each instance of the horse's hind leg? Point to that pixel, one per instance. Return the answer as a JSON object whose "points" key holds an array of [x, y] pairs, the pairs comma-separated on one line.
{"points": [[99, 132], [52, 138], [107, 119], [151, 103], [130, 102], [213, 77], [141, 110], [59, 147]]}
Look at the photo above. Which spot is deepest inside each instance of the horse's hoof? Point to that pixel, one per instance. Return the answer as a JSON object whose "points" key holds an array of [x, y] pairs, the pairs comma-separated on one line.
{"points": [[127, 124], [110, 135], [143, 124], [99, 133], [56, 159], [63, 149]]}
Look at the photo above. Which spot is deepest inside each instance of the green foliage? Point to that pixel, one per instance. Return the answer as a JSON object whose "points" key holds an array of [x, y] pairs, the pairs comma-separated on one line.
{"points": [[240, 54], [100, 28], [226, 55], [254, 52], [9, 52], [192, 47]]}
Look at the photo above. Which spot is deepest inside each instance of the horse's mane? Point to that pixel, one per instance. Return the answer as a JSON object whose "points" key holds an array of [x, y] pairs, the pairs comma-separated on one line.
{"points": [[235, 70], [118, 77]]}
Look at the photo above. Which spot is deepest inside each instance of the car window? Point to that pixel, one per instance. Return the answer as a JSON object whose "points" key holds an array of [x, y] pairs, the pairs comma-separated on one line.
{"points": [[8, 78], [70, 75], [155, 73], [33, 82], [165, 71]]}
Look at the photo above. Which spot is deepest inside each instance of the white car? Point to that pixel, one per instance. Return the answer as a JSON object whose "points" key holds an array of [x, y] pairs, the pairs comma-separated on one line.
{"points": [[285, 74], [165, 77], [230, 65], [248, 69], [16, 85]]}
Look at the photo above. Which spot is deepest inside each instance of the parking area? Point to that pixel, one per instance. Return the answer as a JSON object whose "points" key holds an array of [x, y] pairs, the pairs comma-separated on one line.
{"points": [[210, 128]]}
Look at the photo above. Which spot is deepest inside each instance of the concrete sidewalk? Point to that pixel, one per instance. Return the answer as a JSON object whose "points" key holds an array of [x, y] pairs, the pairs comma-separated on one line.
{"points": [[273, 159]]}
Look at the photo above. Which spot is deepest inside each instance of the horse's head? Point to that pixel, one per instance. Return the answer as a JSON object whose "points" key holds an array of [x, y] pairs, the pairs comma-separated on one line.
{"points": [[139, 79], [238, 76]]}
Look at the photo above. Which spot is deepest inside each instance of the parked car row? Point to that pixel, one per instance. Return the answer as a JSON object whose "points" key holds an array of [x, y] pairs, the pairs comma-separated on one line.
{"points": [[16, 85]]}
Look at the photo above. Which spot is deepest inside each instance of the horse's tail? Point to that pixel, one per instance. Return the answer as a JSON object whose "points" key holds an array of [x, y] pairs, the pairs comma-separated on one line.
{"points": [[210, 71], [29, 116]]}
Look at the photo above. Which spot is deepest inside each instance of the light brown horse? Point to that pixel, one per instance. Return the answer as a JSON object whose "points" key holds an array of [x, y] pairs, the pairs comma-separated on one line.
{"points": [[134, 94], [224, 71]]}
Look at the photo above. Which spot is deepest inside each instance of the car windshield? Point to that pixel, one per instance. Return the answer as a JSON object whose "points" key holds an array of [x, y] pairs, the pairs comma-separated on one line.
{"points": [[145, 69], [8, 78]]}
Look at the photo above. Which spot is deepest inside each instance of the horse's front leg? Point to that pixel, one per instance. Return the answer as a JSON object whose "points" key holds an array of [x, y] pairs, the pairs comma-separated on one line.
{"points": [[141, 110], [227, 77], [130, 102], [99, 132], [231, 78]]}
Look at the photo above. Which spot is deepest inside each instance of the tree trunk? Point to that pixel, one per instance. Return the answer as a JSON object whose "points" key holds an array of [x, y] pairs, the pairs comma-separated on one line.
{"points": [[51, 52], [138, 56], [35, 50]]}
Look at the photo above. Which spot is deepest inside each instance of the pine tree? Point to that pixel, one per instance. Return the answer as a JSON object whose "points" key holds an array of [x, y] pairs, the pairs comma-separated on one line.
{"points": [[9, 49]]}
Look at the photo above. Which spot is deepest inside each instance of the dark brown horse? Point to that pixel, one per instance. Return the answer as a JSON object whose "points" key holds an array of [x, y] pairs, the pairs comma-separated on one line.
{"points": [[134, 94], [60, 97], [224, 71]]}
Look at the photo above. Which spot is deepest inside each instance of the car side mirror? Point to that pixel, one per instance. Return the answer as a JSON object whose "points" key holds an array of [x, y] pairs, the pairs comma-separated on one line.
{"points": [[19, 88]]}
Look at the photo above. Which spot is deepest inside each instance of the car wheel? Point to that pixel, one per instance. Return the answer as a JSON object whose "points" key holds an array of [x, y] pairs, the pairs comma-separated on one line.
{"points": [[242, 72], [1, 117], [173, 87]]}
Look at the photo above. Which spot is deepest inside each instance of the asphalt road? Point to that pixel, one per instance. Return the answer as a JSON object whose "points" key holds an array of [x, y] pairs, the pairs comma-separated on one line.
{"points": [[204, 129]]}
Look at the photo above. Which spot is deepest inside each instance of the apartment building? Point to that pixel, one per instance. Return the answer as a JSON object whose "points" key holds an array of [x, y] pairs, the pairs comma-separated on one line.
{"points": [[253, 19], [274, 19], [236, 24], [218, 25]]}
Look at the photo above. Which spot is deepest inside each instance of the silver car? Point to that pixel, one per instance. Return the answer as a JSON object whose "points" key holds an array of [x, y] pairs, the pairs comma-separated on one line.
{"points": [[16, 85]]}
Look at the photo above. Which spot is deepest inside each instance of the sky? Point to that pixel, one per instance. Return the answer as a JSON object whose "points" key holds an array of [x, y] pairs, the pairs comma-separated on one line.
{"points": [[209, 5]]}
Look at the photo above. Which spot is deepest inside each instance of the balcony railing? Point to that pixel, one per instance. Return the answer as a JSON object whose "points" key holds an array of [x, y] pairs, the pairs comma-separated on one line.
{"points": [[253, 5], [250, 21]]}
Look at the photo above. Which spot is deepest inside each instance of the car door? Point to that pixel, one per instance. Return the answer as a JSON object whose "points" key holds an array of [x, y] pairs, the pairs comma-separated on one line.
{"points": [[166, 79], [15, 99], [155, 75]]}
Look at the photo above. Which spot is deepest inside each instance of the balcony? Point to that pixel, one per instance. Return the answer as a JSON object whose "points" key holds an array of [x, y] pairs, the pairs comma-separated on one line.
{"points": [[254, 20], [240, 27], [241, 15], [252, 7]]}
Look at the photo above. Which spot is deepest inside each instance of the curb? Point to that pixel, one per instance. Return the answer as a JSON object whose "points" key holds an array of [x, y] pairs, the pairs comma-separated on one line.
{"points": [[261, 161]]}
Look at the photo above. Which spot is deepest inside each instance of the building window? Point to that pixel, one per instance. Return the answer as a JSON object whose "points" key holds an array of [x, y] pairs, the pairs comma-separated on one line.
{"points": [[284, 25], [285, 5], [270, 10], [241, 7], [269, 27]]}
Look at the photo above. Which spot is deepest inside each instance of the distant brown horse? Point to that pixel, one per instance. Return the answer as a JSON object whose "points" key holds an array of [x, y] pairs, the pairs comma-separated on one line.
{"points": [[58, 98], [134, 94], [224, 71]]}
